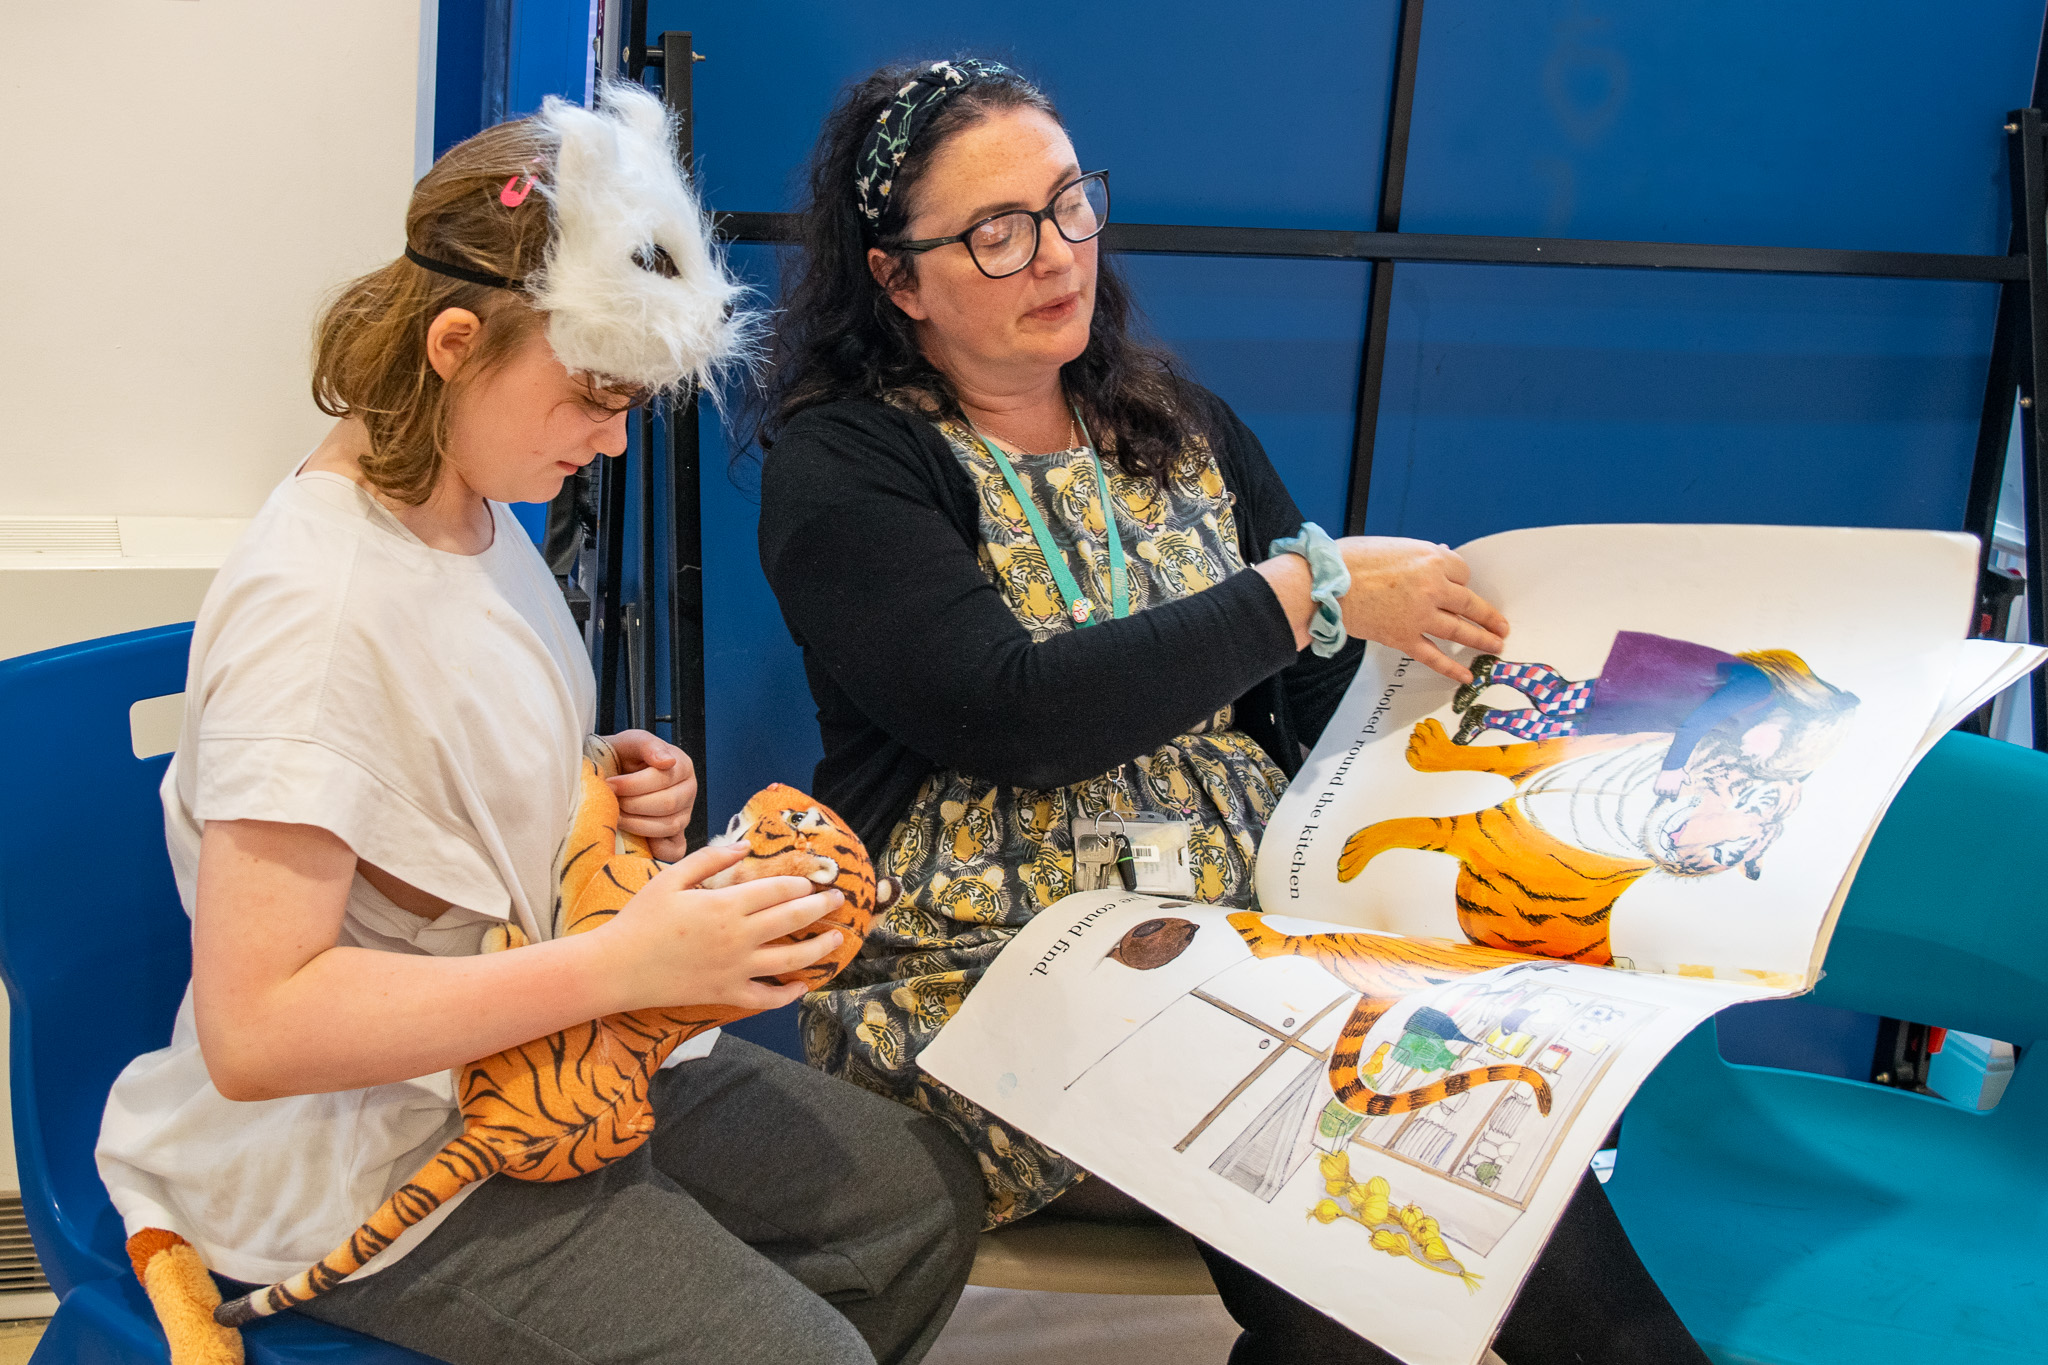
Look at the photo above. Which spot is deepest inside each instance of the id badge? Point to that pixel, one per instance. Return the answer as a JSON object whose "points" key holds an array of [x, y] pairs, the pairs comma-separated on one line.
{"points": [[1158, 852]]}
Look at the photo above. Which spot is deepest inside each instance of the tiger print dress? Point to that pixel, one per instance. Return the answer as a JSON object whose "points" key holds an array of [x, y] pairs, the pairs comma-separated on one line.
{"points": [[976, 860]]}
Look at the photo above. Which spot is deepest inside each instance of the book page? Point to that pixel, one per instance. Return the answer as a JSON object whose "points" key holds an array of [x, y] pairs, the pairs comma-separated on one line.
{"points": [[1388, 1129], [1984, 668], [1694, 730]]}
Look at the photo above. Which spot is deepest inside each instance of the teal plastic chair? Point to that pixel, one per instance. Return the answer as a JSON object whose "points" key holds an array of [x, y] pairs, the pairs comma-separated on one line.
{"points": [[95, 951], [1796, 1219]]}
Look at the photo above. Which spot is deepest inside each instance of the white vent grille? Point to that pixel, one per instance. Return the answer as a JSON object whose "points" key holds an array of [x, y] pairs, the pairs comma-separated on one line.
{"points": [[60, 535], [20, 1271]]}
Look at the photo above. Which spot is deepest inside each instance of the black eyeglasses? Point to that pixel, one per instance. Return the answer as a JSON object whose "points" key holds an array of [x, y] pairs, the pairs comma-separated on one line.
{"points": [[1005, 243]]}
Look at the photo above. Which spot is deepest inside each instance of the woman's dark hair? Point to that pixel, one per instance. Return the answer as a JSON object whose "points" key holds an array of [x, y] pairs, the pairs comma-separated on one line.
{"points": [[840, 337]]}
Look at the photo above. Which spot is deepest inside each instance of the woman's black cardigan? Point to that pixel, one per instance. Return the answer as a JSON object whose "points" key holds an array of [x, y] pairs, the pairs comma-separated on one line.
{"points": [[869, 533]]}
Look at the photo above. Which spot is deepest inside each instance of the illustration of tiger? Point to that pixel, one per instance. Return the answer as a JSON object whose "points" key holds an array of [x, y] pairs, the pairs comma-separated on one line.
{"points": [[1383, 970], [569, 1103], [1380, 968], [1521, 887], [1621, 775]]}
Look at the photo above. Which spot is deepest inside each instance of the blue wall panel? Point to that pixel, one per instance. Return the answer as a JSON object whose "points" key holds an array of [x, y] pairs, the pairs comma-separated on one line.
{"points": [[1529, 396], [1209, 112], [1525, 397], [1870, 124], [549, 53], [1280, 341], [458, 72]]}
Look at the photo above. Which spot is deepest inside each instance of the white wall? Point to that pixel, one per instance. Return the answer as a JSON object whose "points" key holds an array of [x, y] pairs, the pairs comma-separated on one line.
{"points": [[188, 178]]}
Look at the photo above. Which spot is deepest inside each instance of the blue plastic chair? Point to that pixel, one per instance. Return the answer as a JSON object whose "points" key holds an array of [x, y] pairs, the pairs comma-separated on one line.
{"points": [[96, 951], [1796, 1219]]}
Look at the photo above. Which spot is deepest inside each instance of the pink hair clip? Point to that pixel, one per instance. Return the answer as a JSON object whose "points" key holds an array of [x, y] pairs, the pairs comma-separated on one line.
{"points": [[512, 198]]}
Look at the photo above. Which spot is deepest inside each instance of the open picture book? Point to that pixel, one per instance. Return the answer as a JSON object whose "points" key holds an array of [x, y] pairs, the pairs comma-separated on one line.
{"points": [[1484, 914]]}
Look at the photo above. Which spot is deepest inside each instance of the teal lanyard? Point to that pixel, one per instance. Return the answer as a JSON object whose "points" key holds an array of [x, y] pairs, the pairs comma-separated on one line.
{"points": [[1080, 608]]}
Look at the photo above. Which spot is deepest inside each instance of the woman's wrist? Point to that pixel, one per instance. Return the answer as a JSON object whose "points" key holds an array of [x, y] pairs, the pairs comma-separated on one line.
{"points": [[1292, 582], [1330, 579]]}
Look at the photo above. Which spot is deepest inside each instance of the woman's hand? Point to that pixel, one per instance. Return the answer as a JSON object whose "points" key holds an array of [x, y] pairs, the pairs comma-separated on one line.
{"points": [[676, 944], [657, 789], [1403, 590]]}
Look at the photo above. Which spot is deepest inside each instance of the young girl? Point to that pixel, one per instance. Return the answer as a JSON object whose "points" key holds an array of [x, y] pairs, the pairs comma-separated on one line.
{"points": [[386, 706]]}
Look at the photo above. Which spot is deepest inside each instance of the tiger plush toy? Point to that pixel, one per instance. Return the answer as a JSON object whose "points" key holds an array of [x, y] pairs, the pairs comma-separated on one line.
{"points": [[569, 1103]]}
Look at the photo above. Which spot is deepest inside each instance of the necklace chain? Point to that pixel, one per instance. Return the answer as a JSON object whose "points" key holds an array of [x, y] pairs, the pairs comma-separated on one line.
{"points": [[1073, 438]]}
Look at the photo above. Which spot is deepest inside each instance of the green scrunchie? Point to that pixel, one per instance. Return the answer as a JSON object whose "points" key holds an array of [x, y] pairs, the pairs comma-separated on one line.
{"points": [[1331, 580]]}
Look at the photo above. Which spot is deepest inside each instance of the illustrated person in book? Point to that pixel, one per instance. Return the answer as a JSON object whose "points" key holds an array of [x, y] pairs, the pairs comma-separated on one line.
{"points": [[1039, 576], [1676, 758]]}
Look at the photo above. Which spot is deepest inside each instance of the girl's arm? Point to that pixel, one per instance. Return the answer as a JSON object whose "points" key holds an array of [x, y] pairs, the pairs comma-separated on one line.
{"points": [[282, 1011]]}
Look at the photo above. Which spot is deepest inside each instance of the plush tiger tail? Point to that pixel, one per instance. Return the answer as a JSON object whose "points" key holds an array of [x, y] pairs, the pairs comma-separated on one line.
{"points": [[1356, 1096], [184, 1296], [463, 1162]]}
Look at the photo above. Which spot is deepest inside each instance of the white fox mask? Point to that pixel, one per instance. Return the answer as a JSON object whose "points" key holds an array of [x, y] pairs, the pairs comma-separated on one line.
{"points": [[633, 290]]}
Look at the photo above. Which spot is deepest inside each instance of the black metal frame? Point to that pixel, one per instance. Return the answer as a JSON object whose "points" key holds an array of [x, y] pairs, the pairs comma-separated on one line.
{"points": [[2019, 360], [628, 637], [649, 503], [2029, 343]]}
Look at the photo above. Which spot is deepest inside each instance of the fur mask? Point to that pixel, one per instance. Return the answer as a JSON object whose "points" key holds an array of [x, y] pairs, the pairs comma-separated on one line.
{"points": [[633, 290]]}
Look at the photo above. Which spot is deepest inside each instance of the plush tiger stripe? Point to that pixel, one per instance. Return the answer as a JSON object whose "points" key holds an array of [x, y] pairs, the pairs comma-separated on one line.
{"points": [[570, 1103], [462, 1162], [1383, 970]]}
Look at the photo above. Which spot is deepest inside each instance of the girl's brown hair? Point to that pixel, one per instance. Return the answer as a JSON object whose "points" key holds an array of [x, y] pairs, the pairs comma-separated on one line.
{"points": [[370, 344]]}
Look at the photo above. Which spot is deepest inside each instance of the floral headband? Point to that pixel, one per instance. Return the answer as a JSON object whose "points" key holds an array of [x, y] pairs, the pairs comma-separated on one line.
{"points": [[899, 123]]}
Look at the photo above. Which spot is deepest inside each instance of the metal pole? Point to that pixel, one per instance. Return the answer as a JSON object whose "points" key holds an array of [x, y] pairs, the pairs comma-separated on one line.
{"points": [[2001, 385], [611, 39], [1372, 358], [2030, 210], [635, 50], [684, 538], [1994, 424]]}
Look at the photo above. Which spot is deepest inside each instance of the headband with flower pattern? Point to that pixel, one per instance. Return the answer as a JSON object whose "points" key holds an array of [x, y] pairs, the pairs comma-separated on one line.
{"points": [[899, 123]]}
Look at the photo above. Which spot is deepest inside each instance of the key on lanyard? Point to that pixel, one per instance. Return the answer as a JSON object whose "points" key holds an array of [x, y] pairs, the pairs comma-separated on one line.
{"points": [[1094, 856], [1098, 857]]}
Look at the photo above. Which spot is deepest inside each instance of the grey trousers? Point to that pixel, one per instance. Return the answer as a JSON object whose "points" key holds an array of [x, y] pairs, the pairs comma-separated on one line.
{"points": [[778, 1217]]}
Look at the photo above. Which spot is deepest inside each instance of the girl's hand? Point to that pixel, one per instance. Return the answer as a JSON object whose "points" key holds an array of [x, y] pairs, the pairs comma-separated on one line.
{"points": [[657, 790], [675, 944], [1403, 590]]}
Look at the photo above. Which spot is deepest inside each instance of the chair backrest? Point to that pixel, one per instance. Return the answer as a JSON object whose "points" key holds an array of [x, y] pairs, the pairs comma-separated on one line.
{"points": [[94, 946], [1947, 922]]}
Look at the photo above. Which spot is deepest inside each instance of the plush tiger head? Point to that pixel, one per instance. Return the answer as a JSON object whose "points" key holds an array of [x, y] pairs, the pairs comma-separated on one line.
{"points": [[788, 834]]}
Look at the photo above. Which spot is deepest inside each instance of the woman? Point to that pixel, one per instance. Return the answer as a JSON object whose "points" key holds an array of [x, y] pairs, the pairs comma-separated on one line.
{"points": [[384, 723], [998, 651]]}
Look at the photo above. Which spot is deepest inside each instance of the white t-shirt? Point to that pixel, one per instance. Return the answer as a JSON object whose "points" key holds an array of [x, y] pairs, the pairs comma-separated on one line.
{"points": [[429, 709]]}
